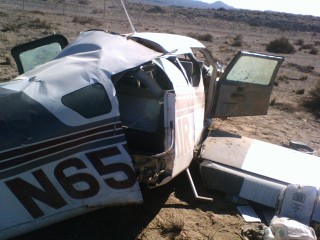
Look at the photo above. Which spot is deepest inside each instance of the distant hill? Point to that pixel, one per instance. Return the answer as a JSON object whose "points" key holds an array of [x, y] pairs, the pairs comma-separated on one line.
{"points": [[219, 5], [185, 3]]}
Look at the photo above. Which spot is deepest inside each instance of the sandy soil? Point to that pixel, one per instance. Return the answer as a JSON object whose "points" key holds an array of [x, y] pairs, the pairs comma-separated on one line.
{"points": [[170, 212]]}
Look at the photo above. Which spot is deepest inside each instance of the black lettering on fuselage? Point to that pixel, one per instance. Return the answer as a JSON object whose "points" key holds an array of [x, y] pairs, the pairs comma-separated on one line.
{"points": [[96, 160], [68, 182], [26, 193], [78, 185]]}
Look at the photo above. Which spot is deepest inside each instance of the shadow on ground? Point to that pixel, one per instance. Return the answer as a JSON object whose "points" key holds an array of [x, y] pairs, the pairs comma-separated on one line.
{"points": [[121, 222], [126, 222]]}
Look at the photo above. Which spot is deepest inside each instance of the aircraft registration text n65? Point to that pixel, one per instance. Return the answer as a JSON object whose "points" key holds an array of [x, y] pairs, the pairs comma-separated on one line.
{"points": [[95, 178]]}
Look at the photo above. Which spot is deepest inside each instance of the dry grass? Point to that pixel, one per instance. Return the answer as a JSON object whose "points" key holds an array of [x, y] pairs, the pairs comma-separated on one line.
{"points": [[300, 91], [299, 42], [304, 78], [86, 20], [40, 23], [237, 41], [314, 51], [84, 2], [97, 11], [282, 77], [10, 27], [171, 227], [156, 9], [207, 37], [316, 227], [273, 101], [307, 46]]}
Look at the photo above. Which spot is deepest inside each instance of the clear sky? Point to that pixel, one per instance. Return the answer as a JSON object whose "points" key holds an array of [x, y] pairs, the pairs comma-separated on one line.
{"points": [[307, 7]]}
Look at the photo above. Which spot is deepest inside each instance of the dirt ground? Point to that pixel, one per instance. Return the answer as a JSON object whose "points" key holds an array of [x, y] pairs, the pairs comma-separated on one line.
{"points": [[170, 212]]}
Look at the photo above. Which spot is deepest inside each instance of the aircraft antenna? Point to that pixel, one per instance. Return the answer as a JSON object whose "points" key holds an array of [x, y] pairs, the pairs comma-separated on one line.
{"points": [[125, 10]]}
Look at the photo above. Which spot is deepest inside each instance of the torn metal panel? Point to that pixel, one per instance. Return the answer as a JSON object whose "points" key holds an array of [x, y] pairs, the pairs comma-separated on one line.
{"points": [[114, 53], [169, 43], [230, 151], [91, 58]]}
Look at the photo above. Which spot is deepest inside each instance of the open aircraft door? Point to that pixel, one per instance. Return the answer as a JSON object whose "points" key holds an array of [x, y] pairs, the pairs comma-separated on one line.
{"points": [[252, 169], [245, 87]]}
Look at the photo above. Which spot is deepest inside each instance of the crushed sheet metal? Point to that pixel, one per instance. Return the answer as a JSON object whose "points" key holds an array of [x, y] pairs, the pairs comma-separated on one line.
{"points": [[114, 53], [91, 58], [176, 44]]}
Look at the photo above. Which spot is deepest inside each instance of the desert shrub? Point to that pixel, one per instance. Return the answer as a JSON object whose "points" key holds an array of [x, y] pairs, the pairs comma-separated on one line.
{"points": [[207, 37], [3, 38], [312, 102], [314, 51], [274, 23], [4, 14], [299, 42], [282, 77], [37, 12], [273, 101], [97, 11], [7, 60], [304, 77], [156, 9], [237, 41], [10, 27], [254, 23], [84, 2], [306, 46], [300, 91], [281, 45], [84, 20], [316, 227], [40, 23]]}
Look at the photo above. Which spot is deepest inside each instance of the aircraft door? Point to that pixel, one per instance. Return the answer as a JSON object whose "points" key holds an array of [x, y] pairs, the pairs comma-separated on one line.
{"points": [[181, 106], [245, 87]]}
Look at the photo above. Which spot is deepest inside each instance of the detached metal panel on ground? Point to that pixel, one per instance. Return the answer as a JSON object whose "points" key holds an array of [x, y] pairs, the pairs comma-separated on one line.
{"points": [[255, 170]]}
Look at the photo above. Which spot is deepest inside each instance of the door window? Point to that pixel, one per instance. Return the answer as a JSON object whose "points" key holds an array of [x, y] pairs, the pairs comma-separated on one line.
{"points": [[252, 70], [91, 101], [29, 55]]}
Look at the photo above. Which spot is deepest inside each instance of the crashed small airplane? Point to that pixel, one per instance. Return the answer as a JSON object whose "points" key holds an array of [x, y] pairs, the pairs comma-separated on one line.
{"points": [[86, 123]]}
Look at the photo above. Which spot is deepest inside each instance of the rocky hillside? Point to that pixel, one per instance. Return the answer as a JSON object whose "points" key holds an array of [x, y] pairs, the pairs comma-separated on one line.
{"points": [[185, 3]]}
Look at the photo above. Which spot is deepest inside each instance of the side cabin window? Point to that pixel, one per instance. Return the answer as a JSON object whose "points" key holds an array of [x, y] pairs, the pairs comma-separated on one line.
{"points": [[91, 101], [189, 66]]}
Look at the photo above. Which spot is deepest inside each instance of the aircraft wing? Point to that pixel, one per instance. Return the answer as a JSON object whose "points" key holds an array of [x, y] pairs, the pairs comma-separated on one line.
{"points": [[253, 169]]}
